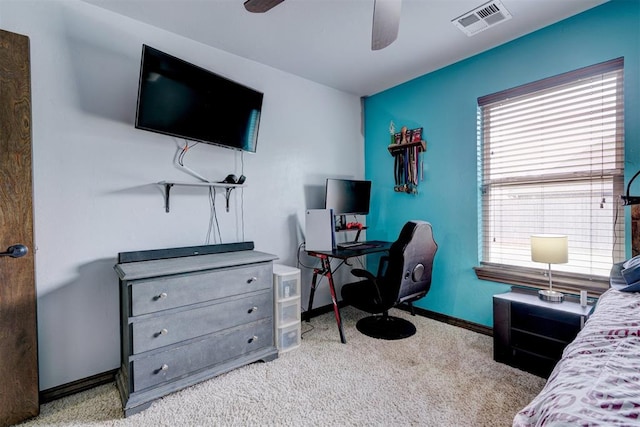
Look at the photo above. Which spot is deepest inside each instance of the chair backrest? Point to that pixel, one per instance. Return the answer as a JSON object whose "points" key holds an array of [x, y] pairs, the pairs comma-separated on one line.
{"points": [[408, 274]]}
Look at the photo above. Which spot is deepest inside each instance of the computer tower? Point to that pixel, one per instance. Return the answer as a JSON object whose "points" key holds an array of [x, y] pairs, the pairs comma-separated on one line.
{"points": [[319, 230]]}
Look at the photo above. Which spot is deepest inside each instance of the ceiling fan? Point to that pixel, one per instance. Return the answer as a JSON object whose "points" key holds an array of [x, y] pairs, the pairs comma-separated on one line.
{"points": [[386, 19]]}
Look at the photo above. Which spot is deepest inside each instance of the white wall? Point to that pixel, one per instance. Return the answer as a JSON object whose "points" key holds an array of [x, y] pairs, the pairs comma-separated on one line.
{"points": [[94, 173]]}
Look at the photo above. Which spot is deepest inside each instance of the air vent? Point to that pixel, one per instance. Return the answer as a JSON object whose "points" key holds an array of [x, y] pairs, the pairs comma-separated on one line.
{"points": [[481, 18]]}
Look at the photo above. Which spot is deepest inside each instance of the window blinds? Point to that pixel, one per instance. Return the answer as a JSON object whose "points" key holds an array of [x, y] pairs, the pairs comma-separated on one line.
{"points": [[551, 160]]}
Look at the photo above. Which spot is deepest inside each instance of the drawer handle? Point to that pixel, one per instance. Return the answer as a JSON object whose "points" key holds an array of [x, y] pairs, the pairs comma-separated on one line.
{"points": [[252, 309], [163, 331], [164, 367], [253, 338], [161, 296], [253, 279]]}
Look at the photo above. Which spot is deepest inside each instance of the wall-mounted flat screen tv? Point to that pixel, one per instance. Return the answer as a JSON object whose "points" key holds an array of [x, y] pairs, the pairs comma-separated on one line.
{"points": [[186, 101]]}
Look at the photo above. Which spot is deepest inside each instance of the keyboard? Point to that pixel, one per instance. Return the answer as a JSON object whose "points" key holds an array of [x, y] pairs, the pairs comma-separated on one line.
{"points": [[348, 245], [357, 245]]}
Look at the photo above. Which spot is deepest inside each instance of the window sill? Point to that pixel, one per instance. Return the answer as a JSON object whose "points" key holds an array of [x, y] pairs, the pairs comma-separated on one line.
{"points": [[535, 278]]}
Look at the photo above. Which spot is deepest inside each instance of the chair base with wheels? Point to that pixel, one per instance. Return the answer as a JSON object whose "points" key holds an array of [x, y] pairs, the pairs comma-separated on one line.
{"points": [[386, 327]]}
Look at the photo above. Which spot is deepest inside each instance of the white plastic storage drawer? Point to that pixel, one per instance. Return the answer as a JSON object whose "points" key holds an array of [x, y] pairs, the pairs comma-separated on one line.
{"points": [[287, 312], [286, 281], [288, 337]]}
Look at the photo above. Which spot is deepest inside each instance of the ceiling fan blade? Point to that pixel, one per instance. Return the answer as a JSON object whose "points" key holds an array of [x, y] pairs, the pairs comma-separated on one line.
{"points": [[386, 21], [261, 6]]}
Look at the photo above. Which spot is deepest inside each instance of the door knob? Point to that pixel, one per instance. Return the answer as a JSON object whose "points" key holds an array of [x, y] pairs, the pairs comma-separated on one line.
{"points": [[15, 251]]}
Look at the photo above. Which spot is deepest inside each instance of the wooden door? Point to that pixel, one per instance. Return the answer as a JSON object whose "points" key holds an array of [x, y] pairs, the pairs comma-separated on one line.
{"points": [[18, 329]]}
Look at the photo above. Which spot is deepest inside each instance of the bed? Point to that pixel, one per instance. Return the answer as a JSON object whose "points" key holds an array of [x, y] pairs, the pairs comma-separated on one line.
{"points": [[597, 381]]}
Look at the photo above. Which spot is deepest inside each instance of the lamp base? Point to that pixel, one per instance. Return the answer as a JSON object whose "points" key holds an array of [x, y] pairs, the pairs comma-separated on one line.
{"points": [[550, 296]]}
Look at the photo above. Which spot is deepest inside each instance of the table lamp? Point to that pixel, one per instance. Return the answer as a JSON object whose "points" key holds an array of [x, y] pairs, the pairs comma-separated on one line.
{"points": [[552, 249]]}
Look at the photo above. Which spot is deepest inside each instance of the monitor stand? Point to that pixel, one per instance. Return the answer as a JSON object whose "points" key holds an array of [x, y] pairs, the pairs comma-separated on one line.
{"points": [[341, 225]]}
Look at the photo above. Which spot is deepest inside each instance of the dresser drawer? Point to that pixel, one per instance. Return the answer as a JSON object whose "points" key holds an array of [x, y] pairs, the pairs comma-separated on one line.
{"points": [[159, 331], [212, 350], [162, 293]]}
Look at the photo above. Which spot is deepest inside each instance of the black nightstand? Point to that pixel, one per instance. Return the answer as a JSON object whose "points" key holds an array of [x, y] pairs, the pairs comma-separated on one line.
{"points": [[530, 334]]}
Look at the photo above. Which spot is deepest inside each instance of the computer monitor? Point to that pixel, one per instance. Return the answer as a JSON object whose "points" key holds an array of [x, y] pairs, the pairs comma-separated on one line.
{"points": [[347, 196]]}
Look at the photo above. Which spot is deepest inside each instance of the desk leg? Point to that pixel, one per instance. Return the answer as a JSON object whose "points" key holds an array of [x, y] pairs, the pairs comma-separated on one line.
{"points": [[327, 271], [314, 281]]}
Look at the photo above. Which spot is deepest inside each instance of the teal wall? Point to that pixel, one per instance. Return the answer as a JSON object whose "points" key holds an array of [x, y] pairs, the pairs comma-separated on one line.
{"points": [[444, 103]]}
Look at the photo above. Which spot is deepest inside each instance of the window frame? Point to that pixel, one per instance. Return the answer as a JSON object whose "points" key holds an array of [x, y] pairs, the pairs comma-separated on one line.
{"points": [[570, 282]]}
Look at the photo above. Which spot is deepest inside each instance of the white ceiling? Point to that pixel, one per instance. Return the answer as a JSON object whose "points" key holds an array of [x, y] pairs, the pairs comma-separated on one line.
{"points": [[329, 41]]}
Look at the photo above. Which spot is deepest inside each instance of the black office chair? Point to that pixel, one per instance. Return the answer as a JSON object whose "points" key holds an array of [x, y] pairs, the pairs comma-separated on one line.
{"points": [[404, 276]]}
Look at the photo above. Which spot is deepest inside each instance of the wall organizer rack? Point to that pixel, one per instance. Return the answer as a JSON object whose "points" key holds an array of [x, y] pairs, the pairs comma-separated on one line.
{"points": [[169, 184], [406, 148]]}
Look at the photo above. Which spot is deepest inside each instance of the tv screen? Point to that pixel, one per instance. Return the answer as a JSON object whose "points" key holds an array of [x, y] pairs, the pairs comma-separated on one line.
{"points": [[183, 100], [347, 197]]}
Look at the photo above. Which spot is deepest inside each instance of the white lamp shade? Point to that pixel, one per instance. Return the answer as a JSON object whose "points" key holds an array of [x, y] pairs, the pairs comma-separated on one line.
{"points": [[549, 248]]}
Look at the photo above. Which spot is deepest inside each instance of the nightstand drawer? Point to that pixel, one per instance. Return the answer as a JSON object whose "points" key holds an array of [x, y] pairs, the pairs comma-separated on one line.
{"points": [[547, 322], [537, 344], [532, 363]]}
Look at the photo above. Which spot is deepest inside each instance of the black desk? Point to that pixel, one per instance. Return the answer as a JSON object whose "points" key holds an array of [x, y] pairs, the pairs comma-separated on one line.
{"points": [[370, 247]]}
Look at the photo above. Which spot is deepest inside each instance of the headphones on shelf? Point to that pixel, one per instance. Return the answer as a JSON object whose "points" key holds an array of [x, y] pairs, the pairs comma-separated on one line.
{"points": [[232, 179]]}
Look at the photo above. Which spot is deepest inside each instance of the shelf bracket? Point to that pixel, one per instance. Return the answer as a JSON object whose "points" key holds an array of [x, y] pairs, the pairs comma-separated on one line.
{"points": [[167, 189]]}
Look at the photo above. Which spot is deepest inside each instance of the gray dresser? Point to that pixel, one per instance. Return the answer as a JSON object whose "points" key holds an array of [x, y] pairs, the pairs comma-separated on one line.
{"points": [[185, 319]]}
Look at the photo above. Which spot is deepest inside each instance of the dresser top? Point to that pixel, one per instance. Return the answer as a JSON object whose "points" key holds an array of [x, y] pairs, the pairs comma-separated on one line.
{"points": [[169, 266]]}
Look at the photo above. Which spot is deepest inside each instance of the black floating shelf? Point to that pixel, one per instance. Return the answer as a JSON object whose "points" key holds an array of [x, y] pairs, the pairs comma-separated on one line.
{"points": [[397, 148], [168, 184]]}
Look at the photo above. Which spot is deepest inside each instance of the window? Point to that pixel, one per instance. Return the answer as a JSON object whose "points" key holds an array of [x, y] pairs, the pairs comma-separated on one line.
{"points": [[551, 160]]}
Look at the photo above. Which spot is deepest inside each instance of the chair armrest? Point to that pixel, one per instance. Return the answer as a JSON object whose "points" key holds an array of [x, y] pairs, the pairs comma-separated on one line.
{"points": [[359, 272]]}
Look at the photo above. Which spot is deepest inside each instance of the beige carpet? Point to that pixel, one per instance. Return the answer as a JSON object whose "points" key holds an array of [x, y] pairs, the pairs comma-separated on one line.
{"points": [[442, 376]]}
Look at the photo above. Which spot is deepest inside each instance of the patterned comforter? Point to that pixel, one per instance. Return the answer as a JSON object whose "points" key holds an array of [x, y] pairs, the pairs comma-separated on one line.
{"points": [[597, 381]]}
